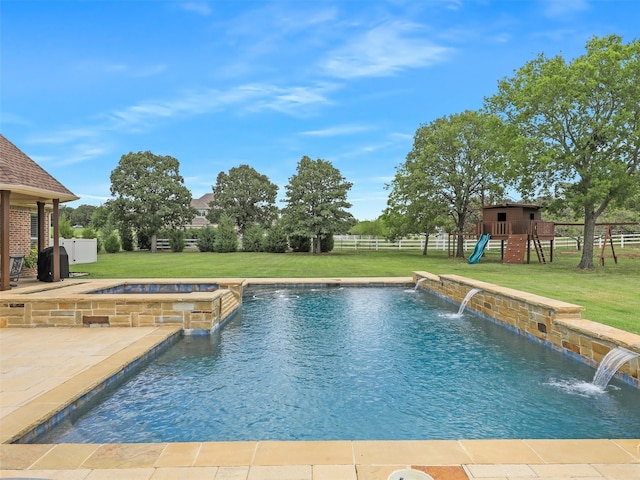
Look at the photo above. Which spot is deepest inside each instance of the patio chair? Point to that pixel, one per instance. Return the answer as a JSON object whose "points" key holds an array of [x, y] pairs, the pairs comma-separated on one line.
{"points": [[15, 269]]}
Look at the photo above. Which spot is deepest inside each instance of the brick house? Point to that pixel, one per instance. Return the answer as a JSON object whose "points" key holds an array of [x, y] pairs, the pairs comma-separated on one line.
{"points": [[29, 203]]}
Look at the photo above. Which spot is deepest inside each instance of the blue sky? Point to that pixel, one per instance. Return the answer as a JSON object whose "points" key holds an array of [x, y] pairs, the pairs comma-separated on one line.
{"points": [[217, 84]]}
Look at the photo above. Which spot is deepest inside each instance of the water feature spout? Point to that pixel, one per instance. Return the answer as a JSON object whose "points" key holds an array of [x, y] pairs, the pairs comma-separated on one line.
{"points": [[420, 281], [470, 294], [610, 364]]}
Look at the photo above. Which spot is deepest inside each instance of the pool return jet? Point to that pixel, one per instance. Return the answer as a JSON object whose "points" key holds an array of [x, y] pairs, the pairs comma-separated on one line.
{"points": [[610, 364], [466, 300]]}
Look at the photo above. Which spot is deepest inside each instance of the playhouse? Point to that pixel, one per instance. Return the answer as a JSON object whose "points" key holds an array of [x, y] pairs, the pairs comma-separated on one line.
{"points": [[517, 226]]}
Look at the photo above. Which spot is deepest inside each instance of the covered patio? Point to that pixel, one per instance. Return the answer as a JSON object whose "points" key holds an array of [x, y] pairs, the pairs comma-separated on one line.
{"points": [[25, 189]]}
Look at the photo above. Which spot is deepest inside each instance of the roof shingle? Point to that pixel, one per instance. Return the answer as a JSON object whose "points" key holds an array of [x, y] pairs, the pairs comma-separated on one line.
{"points": [[19, 172]]}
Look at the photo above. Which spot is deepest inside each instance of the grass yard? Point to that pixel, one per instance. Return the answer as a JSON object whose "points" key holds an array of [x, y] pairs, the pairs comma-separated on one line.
{"points": [[611, 294]]}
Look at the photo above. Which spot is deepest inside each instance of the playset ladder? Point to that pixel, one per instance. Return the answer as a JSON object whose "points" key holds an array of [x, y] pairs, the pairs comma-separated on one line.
{"points": [[538, 245]]}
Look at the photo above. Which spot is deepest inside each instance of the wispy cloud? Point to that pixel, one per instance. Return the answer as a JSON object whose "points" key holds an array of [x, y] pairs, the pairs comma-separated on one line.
{"points": [[83, 152], [134, 71], [91, 141], [201, 8], [72, 153], [64, 136], [90, 196], [295, 101], [559, 9], [384, 51], [347, 129], [10, 118]]}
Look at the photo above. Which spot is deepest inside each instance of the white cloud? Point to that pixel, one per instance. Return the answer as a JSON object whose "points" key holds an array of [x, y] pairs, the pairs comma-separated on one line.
{"points": [[201, 8], [10, 118], [562, 8], [384, 51], [348, 129], [64, 136], [90, 142], [82, 152]]}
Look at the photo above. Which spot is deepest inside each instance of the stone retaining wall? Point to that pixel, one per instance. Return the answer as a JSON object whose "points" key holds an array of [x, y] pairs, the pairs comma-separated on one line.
{"points": [[194, 311], [554, 323]]}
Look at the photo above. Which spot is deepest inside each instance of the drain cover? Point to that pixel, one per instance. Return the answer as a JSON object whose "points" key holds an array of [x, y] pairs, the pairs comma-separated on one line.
{"points": [[408, 474]]}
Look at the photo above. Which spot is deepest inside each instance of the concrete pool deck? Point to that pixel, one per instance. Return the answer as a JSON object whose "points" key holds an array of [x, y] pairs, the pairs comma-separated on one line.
{"points": [[44, 369]]}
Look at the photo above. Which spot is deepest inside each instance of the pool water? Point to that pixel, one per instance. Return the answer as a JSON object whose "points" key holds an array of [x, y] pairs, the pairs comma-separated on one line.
{"points": [[355, 363], [157, 288]]}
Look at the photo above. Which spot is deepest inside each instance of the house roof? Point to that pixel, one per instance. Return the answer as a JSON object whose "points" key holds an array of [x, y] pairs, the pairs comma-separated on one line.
{"points": [[202, 202], [26, 180]]}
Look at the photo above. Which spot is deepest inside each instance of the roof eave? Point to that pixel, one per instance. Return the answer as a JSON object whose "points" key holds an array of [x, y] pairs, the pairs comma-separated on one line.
{"points": [[32, 195]]}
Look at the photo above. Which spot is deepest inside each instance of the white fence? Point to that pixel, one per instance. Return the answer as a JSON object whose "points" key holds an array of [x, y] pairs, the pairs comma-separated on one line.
{"points": [[441, 242], [163, 243], [437, 242], [79, 250]]}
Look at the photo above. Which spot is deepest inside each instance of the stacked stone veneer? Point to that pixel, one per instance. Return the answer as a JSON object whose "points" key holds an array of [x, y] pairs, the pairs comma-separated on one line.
{"points": [[554, 323], [66, 307]]}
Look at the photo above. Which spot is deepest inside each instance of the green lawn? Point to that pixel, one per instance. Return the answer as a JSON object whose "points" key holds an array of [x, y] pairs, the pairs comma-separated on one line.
{"points": [[611, 294]]}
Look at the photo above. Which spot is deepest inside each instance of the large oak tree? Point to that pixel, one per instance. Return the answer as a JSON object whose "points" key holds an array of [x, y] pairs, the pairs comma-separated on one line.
{"points": [[246, 196], [316, 202], [455, 162], [576, 128], [149, 194]]}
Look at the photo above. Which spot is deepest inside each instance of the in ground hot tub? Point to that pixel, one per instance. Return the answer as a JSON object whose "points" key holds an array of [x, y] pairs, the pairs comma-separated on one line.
{"points": [[157, 288]]}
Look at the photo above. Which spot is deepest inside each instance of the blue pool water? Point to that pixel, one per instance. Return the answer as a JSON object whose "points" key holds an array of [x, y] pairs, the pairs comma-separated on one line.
{"points": [[355, 363], [157, 288]]}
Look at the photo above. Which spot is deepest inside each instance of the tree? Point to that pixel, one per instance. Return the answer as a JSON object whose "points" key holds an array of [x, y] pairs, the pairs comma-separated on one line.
{"points": [[101, 217], [412, 206], [253, 239], [150, 194], [65, 230], [454, 162], [82, 215], [226, 238], [206, 239], [373, 228], [244, 195], [576, 128], [316, 201], [276, 239]]}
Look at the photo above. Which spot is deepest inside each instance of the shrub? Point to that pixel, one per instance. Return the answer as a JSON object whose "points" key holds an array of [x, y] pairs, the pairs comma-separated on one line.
{"points": [[65, 230], [112, 244], [253, 239], [276, 240], [226, 237], [326, 243], [126, 236], [176, 240], [206, 239], [31, 260], [89, 232], [300, 243], [144, 241]]}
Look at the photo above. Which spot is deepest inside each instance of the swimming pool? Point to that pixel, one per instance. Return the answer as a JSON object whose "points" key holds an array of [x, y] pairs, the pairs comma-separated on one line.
{"points": [[355, 363]]}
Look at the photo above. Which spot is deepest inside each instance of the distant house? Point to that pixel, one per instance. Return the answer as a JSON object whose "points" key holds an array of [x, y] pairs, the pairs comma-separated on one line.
{"points": [[29, 201], [202, 206]]}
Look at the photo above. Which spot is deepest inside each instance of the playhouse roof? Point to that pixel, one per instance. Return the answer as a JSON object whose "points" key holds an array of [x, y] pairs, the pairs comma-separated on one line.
{"points": [[513, 205], [26, 180]]}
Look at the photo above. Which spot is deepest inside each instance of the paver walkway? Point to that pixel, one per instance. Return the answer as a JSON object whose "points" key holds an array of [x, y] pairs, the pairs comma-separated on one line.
{"points": [[41, 370]]}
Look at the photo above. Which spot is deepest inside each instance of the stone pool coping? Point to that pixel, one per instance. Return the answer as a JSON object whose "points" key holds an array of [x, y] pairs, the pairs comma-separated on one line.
{"points": [[597, 459], [554, 323]]}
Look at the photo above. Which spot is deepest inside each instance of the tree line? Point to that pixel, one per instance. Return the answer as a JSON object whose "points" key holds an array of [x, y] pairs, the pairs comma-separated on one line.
{"points": [[149, 197], [563, 134]]}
